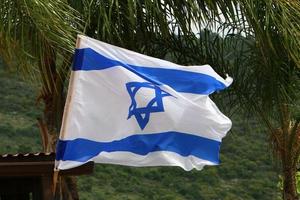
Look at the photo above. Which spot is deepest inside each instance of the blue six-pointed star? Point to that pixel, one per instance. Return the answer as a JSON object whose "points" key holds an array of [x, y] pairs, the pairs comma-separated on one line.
{"points": [[142, 114]]}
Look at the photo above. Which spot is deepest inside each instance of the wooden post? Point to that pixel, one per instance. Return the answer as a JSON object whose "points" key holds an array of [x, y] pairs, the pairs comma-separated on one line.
{"points": [[55, 179], [47, 189]]}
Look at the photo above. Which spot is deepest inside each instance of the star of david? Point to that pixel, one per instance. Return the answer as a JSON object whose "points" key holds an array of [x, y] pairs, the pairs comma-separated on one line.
{"points": [[142, 114]]}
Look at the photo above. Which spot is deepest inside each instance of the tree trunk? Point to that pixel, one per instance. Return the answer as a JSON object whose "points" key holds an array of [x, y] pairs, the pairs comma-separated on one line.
{"points": [[289, 183], [286, 145], [53, 98]]}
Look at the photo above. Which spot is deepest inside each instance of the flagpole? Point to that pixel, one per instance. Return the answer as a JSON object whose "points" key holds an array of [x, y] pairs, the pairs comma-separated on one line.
{"points": [[65, 117], [69, 97]]}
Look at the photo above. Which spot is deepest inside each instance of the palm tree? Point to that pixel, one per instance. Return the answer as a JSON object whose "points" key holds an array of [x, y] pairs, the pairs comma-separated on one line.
{"points": [[39, 38], [259, 47], [35, 39], [276, 91], [268, 78]]}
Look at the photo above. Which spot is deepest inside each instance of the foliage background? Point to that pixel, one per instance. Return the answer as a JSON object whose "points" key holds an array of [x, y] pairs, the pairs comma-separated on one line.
{"points": [[247, 171]]}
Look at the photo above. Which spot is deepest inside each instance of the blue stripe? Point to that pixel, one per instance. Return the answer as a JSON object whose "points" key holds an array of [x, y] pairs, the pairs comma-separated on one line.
{"points": [[181, 81], [181, 143]]}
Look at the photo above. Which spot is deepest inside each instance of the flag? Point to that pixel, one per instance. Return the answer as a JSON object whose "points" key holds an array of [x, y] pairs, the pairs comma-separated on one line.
{"points": [[131, 109]]}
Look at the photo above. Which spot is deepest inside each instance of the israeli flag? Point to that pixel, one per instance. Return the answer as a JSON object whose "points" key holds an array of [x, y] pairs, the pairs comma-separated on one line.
{"points": [[131, 109]]}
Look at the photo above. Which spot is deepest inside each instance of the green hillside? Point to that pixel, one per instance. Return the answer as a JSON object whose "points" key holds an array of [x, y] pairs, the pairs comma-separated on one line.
{"points": [[246, 171]]}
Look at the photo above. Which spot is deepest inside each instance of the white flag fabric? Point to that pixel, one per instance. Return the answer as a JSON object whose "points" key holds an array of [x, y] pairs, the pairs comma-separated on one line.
{"points": [[131, 109]]}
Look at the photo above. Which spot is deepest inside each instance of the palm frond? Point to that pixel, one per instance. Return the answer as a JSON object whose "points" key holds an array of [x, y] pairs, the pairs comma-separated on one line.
{"points": [[30, 30]]}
